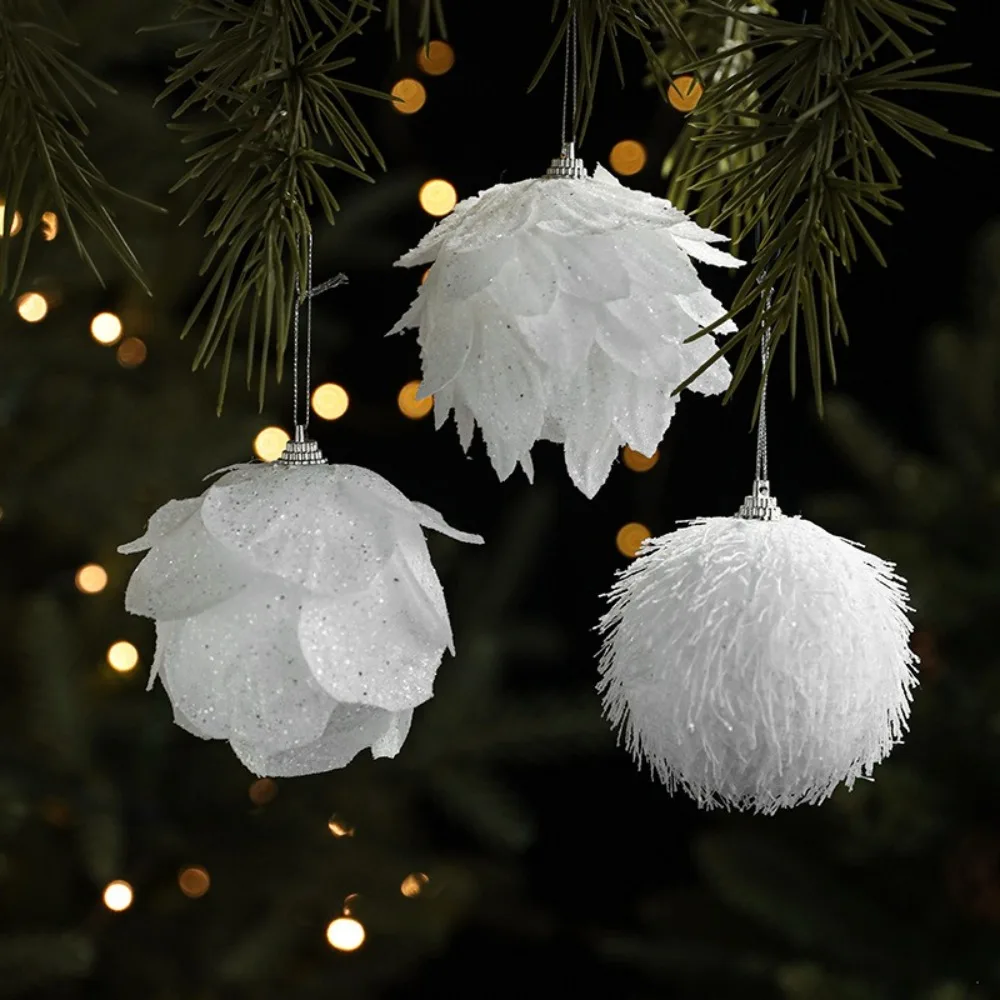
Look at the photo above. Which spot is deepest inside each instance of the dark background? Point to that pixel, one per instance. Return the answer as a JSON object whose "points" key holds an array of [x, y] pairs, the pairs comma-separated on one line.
{"points": [[554, 865]]}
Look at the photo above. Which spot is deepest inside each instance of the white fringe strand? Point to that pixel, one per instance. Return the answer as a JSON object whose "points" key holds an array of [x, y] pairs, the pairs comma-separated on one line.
{"points": [[757, 665]]}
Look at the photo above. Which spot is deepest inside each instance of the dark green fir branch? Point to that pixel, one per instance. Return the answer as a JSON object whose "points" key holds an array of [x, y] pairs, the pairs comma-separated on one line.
{"points": [[271, 114], [791, 135], [602, 25], [43, 164], [430, 17]]}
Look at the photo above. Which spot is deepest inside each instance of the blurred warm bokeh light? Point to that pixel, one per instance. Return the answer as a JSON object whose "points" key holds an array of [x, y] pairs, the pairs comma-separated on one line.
{"points": [[32, 307], [123, 657], [438, 197], [106, 328], [91, 579], [414, 884], [15, 223], [637, 462], [628, 157], [330, 401], [630, 538], [436, 58], [194, 881], [131, 352], [410, 406], [270, 443], [684, 93], [345, 934], [410, 96], [118, 896]]}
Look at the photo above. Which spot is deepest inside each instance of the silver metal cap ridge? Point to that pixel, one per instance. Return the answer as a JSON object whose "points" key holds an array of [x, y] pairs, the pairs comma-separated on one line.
{"points": [[760, 505], [301, 450]]}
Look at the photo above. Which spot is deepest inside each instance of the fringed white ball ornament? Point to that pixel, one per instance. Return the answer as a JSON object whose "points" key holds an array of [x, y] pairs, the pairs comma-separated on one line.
{"points": [[757, 662], [298, 614], [557, 309]]}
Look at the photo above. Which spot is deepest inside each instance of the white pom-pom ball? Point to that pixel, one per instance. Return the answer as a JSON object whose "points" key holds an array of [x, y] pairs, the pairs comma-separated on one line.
{"points": [[298, 614], [558, 309], [757, 664]]}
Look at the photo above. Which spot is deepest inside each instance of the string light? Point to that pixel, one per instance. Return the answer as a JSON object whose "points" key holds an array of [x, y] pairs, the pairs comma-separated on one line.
{"points": [[270, 443], [684, 93], [123, 657], [630, 538], [330, 401], [345, 934], [91, 579], [436, 58], [414, 884], [339, 828], [410, 96], [32, 307], [438, 197], [411, 407], [262, 791], [194, 881], [628, 157], [118, 896], [637, 462], [106, 328], [131, 352], [50, 226], [15, 223]]}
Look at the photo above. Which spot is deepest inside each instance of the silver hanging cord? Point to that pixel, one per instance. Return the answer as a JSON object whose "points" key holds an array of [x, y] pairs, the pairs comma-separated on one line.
{"points": [[567, 165], [301, 450], [760, 505]]}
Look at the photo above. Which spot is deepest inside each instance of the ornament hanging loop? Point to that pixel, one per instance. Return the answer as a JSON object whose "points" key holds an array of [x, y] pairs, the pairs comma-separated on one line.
{"points": [[567, 165], [760, 505], [301, 449]]}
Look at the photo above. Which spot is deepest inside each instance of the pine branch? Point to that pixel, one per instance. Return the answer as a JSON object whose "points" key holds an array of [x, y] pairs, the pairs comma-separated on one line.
{"points": [[793, 140], [431, 14], [601, 24], [43, 165], [278, 117]]}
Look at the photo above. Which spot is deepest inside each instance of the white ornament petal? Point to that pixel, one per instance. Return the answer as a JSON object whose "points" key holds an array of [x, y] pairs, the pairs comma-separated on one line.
{"points": [[708, 254], [643, 409], [446, 338], [503, 388], [563, 338], [166, 520], [351, 729], [391, 741], [238, 673], [465, 423], [413, 316], [591, 439], [587, 267], [370, 648], [184, 574], [300, 523], [430, 518]]}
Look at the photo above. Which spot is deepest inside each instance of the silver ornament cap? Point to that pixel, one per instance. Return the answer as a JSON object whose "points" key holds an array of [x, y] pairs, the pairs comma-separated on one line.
{"points": [[760, 505], [567, 166], [301, 450]]}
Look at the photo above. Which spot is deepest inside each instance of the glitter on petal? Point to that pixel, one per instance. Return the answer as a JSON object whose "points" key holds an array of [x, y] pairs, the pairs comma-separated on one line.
{"points": [[298, 614], [558, 309]]}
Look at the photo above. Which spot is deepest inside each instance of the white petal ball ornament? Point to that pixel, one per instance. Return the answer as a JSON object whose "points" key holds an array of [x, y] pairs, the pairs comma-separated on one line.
{"points": [[757, 663], [557, 309], [298, 614]]}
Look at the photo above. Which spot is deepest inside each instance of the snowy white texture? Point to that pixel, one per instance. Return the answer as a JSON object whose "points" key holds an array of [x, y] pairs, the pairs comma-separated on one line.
{"points": [[755, 664], [557, 309], [298, 614]]}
